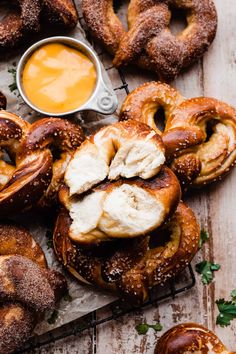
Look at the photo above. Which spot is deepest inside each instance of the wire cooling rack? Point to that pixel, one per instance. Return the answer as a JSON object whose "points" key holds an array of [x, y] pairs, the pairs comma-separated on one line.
{"points": [[185, 281]]}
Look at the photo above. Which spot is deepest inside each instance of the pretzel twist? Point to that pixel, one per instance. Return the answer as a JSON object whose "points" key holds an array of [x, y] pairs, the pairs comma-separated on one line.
{"points": [[190, 338], [36, 176], [131, 267], [199, 133], [30, 15], [27, 287], [149, 41], [119, 152]]}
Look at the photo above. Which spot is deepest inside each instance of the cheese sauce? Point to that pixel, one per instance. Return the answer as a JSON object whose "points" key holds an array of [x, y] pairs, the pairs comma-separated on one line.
{"points": [[58, 78]]}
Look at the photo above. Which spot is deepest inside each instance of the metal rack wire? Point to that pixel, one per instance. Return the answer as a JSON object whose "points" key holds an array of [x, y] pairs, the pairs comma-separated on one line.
{"points": [[119, 307]]}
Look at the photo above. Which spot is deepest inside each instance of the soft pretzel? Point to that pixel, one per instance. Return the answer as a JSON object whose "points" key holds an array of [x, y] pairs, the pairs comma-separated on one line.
{"points": [[149, 41], [28, 16], [19, 23], [131, 266], [199, 134], [17, 240], [27, 287], [36, 176], [190, 338], [122, 209], [51, 135], [119, 152], [61, 12], [143, 103], [16, 326], [200, 137]]}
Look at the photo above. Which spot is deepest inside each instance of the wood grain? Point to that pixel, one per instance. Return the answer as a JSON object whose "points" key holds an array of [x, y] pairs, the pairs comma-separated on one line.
{"points": [[215, 207]]}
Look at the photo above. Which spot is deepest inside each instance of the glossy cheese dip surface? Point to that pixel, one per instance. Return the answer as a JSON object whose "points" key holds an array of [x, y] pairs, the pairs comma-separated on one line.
{"points": [[58, 78]]}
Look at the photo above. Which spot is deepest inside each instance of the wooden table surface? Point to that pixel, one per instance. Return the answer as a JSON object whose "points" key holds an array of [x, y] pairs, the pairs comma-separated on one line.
{"points": [[215, 207]]}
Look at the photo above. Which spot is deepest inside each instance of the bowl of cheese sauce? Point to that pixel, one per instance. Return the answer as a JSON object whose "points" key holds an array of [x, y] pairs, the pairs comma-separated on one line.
{"points": [[60, 75]]}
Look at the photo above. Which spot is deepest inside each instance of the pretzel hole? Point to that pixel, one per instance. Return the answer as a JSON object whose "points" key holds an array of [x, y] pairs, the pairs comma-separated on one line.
{"points": [[159, 238], [178, 21], [6, 9], [121, 8], [210, 129], [5, 156], [160, 118]]}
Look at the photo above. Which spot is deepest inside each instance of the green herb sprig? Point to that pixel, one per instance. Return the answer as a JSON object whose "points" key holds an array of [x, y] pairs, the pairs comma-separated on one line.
{"points": [[143, 328], [206, 270], [227, 310]]}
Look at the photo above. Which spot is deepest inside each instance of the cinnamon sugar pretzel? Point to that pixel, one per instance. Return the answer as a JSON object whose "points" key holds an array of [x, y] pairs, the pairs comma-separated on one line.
{"points": [[199, 134], [149, 41], [27, 287]]}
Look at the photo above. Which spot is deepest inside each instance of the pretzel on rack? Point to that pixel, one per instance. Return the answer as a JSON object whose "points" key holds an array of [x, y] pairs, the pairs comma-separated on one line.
{"points": [[131, 267], [27, 287], [190, 338], [36, 176], [119, 153], [149, 41], [199, 133]]}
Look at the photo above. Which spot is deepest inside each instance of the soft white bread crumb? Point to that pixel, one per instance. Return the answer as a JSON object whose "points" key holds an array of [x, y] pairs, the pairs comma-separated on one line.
{"points": [[86, 169], [86, 213], [122, 211], [140, 158], [130, 211]]}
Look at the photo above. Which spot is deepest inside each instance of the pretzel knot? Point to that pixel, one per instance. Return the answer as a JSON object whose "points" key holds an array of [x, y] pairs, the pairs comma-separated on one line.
{"points": [[131, 267], [149, 41], [33, 174], [27, 287], [138, 196], [199, 133], [190, 338]]}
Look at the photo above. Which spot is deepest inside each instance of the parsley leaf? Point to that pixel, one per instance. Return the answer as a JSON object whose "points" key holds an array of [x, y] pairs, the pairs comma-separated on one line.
{"points": [[143, 328], [227, 313], [54, 316], [206, 270], [13, 86], [204, 237]]}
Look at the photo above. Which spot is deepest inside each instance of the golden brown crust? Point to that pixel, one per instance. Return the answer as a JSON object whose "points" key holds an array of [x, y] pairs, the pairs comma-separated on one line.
{"points": [[149, 41], [199, 133], [132, 266], [49, 135], [201, 136], [35, 178], [191, 338], [142, 103], [15, 239]]}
